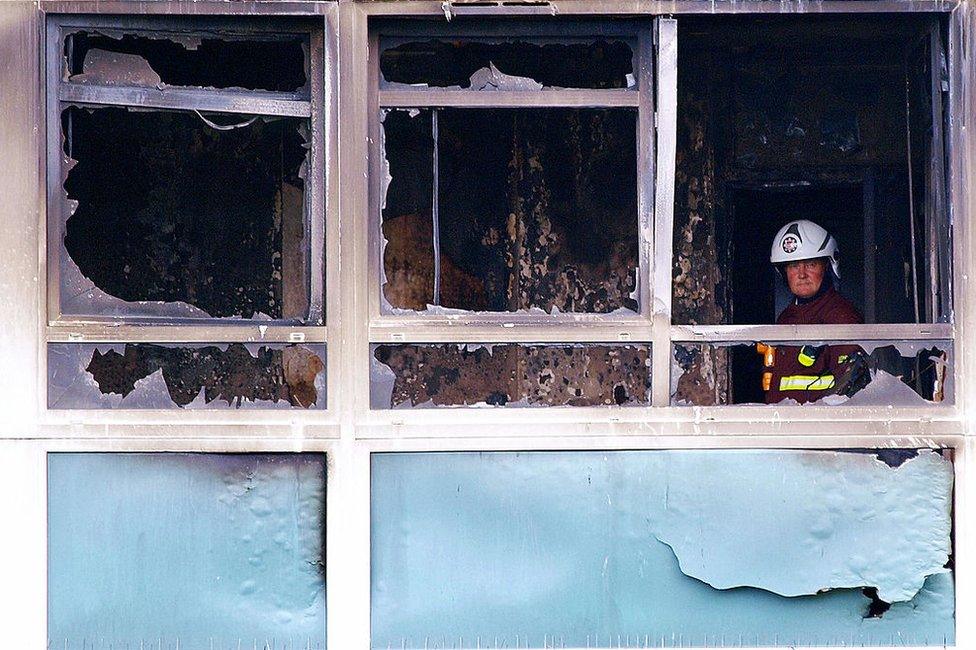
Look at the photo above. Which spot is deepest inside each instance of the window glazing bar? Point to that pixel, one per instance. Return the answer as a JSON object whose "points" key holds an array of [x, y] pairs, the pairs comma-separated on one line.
{"points": [[575, 98], [250, 103], [807, 333]]}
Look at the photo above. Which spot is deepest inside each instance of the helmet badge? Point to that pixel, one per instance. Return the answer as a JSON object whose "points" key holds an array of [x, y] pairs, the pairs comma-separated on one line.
{"points": [[790, 244]]}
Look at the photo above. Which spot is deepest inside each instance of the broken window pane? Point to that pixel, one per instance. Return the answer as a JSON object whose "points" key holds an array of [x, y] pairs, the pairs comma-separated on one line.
{"points": [[843, 373], [509, 374], [185, 375], [191, 550], [512, 65], [642, 549], [534, 209], [787, 118], [202, 59], [184, 215]]}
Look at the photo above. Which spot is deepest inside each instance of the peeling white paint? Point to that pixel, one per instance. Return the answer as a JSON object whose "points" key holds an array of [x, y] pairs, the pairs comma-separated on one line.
{"points": [[828, 520]]}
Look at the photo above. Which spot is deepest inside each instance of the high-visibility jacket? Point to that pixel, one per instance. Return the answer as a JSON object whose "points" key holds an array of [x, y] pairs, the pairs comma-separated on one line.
{"points": [[806, 373]]}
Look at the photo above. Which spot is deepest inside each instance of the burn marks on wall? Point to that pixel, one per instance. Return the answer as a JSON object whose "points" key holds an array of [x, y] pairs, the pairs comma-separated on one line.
{"points": [[177, 207], [434, 375], [534, 209], [151, 375]]}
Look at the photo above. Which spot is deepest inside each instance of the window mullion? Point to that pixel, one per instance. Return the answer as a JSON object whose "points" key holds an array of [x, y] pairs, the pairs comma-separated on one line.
{"points": [[666, 64]]}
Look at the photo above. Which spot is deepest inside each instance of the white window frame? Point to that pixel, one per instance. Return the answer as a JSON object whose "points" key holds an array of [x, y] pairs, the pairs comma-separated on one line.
{"points": [[322, 213]]}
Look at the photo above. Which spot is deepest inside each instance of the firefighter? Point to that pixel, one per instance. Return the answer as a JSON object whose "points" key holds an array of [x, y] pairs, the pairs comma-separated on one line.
{"points": [[806, 256]]}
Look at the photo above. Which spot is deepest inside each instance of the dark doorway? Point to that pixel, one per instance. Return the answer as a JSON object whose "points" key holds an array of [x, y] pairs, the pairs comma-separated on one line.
{"points": [[759, 211]]}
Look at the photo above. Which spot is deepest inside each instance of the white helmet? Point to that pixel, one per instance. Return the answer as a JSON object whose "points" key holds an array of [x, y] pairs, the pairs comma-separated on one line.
{"points": [[804, 240]]}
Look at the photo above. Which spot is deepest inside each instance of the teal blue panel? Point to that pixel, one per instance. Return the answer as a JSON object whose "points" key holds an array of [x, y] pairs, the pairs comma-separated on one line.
{"points": [[660, 548], [188, 551]]}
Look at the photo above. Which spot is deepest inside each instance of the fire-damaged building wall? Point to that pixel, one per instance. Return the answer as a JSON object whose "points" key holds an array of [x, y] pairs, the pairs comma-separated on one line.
{"points": [[780, 119], [546, 219], [185, 152], [510, 375], [209, 216], [193, 376]]}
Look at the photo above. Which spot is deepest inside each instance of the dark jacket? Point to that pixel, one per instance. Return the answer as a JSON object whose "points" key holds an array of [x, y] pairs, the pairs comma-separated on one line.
{"points": [[807, 373]]}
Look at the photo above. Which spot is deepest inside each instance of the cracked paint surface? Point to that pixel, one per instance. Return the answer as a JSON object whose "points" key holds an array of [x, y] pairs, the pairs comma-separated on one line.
{"points": [[563, 548], [195, 551], [855, 521]]}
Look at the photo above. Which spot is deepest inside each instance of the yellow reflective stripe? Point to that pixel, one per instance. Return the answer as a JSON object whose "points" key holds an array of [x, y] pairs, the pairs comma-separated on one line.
{"points": [[842, 358], [806, 382]]}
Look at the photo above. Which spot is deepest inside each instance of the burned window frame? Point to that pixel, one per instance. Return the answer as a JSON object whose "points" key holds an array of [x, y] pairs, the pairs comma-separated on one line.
{"points": [[640, 98], [943, 246], [305, 103], [316, 104], [653, 43]]}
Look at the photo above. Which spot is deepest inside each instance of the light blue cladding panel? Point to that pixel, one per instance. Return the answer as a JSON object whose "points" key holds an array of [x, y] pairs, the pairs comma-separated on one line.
{"points": [[189, 551], [660, 548]]}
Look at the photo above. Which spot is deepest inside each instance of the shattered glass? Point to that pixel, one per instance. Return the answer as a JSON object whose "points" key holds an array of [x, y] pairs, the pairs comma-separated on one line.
{"points": [[204, 217], [872, 373], [200, 59], [513, 375], [185, 376]]}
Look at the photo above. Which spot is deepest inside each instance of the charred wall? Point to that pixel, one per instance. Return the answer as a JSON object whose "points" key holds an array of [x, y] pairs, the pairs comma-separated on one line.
{"points": [[510, 374], [171, 209], [154, 375], [546, 218]]}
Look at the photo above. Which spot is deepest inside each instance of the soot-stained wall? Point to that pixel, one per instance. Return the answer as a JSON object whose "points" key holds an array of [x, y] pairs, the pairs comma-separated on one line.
{"points": [[546, 219], [510, 374], [170, 209], [160, 376]]}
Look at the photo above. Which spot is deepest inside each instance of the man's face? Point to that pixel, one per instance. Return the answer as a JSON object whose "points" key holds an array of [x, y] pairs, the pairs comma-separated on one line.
{"points": [[805, 277]]}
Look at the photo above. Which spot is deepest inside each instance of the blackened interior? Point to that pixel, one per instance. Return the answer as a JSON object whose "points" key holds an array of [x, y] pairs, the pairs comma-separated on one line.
{"points": [[440, 63], [171, 209], [255, 64], [804, 117], [537, 208]]}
